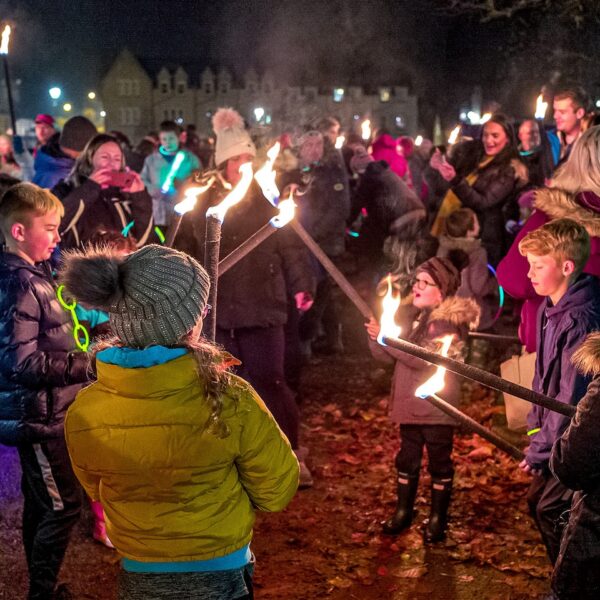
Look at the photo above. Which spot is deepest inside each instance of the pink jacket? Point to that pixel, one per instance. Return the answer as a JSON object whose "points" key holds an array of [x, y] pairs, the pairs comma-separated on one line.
{"points": [[384, 148]]}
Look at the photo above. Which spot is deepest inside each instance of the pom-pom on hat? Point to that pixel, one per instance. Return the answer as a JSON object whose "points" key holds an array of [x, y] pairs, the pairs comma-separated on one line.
{"points": [[153, 296], [232, 137], [445, 272]]}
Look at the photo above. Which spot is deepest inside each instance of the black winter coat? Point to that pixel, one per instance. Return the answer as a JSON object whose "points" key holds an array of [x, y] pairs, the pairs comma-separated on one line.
{"points": [[386, 199], [40, 373], [488, 196], [576, 463], [90, 208], [252, 293]]}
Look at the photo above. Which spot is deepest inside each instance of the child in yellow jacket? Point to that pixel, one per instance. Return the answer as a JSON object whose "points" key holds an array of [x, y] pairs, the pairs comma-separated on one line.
{"points": [[180, 452]]}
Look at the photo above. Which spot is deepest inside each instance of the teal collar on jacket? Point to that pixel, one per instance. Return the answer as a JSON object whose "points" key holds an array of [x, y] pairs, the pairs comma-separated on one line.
{"points": [[137, 358]]}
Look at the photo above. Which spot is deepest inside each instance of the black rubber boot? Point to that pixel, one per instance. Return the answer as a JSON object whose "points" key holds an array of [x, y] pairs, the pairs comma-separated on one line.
{"points": [[435, 526], [403, 515]]}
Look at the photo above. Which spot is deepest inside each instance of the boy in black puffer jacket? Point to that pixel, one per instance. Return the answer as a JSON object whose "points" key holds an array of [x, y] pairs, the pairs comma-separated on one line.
{"points": [[40, 373]]}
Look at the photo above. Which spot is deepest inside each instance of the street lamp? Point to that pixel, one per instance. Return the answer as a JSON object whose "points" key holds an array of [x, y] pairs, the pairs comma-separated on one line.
{"points": [[92, 95], [103, 113], [4, 52], [55, 93], [67, 107]]}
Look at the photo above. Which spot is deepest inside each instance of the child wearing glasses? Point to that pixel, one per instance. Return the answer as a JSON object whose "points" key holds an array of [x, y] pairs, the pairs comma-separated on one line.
{"points": [[435, 311]]}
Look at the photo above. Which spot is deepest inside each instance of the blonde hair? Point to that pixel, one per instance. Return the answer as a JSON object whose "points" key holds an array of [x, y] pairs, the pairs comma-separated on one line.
{"points": [[581, 172], [213, 367], [23, 201], [563, 239]]}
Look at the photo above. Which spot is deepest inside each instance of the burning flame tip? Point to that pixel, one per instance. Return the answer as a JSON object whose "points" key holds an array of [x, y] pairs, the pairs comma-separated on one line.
{"points": [[390, 304]]}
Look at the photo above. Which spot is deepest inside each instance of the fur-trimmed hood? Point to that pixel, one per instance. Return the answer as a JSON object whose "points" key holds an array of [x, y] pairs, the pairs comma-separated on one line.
{"points": [[467, 245], [587, 357], [457, 311], [558, 204]]}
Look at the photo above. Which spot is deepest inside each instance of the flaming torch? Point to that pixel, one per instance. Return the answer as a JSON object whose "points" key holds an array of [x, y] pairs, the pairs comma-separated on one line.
{"points": [[4, 52], [485, 118], [265, 177], [390, 304], [483, 377], [286, 214], [429, 390], [190, 197], [215, 216], [540, 108], [339, 141], [418, 140], [453, 137], [365, 129]]}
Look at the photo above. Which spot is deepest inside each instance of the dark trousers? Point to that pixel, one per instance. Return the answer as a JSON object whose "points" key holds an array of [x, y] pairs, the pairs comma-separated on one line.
{"points": [[549, 504], [438, 441], [261, 350], [52, 502], [323, 312]]}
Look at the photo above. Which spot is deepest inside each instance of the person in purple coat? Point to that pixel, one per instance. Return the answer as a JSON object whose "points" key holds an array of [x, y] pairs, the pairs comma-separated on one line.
{"points": [[574, 193], [570, 310]]}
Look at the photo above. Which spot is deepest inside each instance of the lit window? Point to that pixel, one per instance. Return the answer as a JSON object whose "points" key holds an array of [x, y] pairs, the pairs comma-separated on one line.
{"points": [[338, 94], [385, 94]]}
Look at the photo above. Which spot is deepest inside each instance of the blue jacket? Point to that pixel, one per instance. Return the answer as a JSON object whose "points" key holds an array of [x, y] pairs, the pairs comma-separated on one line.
{"points": [[567, 324], [51, 165]]}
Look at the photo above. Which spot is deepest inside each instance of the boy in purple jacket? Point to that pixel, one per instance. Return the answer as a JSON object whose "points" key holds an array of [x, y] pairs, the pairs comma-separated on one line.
{"points": [[557, 253]]}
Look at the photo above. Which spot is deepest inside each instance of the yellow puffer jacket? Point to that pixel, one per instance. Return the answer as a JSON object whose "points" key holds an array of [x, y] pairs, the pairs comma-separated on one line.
{"points": [[170, 490]]}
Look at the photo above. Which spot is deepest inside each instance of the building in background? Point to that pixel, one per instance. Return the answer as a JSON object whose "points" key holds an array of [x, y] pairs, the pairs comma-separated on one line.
{"points": [[137, 95]]}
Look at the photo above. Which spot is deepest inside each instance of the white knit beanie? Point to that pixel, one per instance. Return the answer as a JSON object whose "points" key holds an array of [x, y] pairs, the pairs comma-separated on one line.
{"points": [[232, 137]]}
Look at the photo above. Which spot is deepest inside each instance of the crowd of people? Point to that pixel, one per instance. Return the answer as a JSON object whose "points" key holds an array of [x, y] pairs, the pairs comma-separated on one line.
{"points": [[107, 383]]}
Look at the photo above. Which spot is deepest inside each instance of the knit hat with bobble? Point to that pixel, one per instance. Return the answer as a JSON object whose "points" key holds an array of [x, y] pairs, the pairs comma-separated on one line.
{"points": [[153, 296]]}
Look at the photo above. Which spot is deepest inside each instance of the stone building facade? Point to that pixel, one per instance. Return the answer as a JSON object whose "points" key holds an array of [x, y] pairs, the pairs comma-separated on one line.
{"points": [[136, 100]]}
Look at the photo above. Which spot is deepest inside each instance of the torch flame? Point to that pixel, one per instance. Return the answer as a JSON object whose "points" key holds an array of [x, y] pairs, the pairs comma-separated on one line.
{"points": [[339, 141], [237, 193], [286, 211], [540, 107], [436, 382], [190, 197], [5, 40], [366, 129], [454, 135], [390, 304], [485, 118], [265, 176], [418, 140]]}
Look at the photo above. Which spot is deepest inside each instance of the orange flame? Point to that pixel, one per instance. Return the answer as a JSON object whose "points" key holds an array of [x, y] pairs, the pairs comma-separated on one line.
{"points": [[453, 138], [436, 382], [365, 128], [265, 176], [190, 197], [5, 40], [485, 118], [540, 107], [339, 141], [236, 195], [286, 211], [387, 323]]}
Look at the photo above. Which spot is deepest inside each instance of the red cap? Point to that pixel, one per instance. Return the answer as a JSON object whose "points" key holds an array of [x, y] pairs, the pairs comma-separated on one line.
{"points": [[48, 119]]}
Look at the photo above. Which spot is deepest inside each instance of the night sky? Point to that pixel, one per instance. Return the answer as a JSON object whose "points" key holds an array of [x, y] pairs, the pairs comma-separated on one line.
{"points": [[71, 44]]}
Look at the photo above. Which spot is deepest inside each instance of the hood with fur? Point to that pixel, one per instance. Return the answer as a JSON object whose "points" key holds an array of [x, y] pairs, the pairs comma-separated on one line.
{"points": [[457, 311], [465, 244], [587, 357], [558, 204]]}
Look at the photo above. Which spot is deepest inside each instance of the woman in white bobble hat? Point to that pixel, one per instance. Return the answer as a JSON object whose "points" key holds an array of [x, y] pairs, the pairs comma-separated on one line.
{"points": [[253, 295], [179, 451]]}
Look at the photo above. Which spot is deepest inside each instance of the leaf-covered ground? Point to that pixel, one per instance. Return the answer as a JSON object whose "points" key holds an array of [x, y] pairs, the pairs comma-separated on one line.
{"points": [[327, 544]]}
